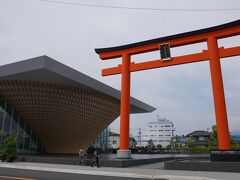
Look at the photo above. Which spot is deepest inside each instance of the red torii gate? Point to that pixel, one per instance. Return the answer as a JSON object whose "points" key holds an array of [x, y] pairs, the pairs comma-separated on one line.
{"points": [[213, 54]]}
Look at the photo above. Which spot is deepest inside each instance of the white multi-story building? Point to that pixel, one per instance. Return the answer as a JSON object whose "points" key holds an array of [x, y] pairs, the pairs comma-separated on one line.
{"points": [[161, 132]]}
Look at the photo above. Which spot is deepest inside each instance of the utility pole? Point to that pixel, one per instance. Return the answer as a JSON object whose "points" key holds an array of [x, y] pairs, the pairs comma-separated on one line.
{"points": [[140, 136]]}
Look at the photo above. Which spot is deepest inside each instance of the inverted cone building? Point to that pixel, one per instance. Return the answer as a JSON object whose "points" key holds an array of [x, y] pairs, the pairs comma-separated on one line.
{"points": [[55, 109]]}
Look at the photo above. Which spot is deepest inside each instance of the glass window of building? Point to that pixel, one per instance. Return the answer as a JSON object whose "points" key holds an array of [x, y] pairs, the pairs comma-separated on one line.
{"points": [[20, 134], [101, 141], [27, 137], [12, 123], [7, 121]]}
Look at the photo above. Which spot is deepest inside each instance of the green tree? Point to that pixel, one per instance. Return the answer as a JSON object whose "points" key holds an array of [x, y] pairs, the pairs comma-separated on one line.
{"points": [[190, 141], [150, 145], [214, 137], [159, 147], [132, 142], [177, 141], [234, 143], [8, 151]]}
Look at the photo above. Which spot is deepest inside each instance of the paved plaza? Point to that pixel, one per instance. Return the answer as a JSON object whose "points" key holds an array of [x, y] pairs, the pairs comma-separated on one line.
{"points": [[150, 171]]}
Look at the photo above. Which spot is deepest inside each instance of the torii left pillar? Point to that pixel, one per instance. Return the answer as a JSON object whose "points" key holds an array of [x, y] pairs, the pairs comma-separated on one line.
{"points": [[124, 151]]}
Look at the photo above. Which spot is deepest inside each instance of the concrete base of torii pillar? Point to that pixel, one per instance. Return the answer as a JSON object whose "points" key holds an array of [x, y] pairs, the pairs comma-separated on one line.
{"points": [[124, 154]]}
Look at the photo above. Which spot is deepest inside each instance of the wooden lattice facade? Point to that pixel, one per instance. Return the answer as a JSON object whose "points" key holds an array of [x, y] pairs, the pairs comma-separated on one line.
{"points": [[64, 118]]}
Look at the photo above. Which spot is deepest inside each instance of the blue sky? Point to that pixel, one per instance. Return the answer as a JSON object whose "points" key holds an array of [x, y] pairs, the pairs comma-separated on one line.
{"points": [[69, 34]]}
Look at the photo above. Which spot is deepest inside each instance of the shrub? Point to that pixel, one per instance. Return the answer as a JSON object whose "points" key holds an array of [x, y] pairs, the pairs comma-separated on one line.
{"points": [[11, 157], [3, 157], [196, 150]]}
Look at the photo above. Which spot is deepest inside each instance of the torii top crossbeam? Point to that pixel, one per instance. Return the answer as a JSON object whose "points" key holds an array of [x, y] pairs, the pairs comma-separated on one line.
{"points": [[213, 54], [221, 31], [197, 36]]}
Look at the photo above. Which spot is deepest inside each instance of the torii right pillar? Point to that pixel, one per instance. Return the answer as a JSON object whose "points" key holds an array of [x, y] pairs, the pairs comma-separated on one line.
{"points": [[218, 94]]}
